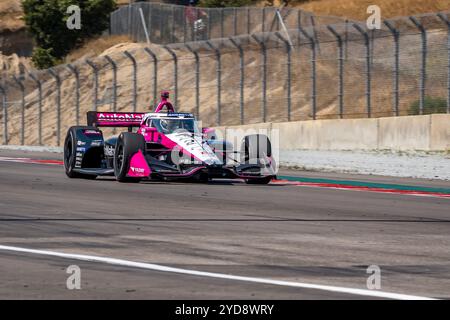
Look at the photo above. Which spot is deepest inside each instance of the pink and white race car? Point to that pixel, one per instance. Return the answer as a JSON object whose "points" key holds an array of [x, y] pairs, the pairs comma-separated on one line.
{"points": [[163, 145]]}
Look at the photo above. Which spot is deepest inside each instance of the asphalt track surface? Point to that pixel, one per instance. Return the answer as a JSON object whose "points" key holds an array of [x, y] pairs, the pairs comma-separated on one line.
{"points": [[280, 232]]}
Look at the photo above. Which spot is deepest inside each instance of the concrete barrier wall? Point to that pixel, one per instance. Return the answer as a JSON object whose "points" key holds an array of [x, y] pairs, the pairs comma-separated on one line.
{"points": [[426, 133]]}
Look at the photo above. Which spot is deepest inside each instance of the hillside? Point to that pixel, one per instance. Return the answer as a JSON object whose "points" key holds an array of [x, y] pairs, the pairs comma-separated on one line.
{"points": [[327, 75], [10, 15], [356, 9], [327, 98], [13, 36]]}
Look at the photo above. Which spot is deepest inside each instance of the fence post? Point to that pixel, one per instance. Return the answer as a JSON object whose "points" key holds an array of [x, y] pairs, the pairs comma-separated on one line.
{"points": [[95, 94], [447, 22], [288, 71], [235, 21], [197, 80], [263, 22], [219, 79], [185, 27], [161, 23], [423, 71], [341, 70], [396, 35], [222, 27], [155, 73], [175, 76], [5, 114], [264, 76], [58, 105], [22, 112], [133, 61], [172, 38], [313, 73], [75, 72], [314, 31], [346, 39], [299, 18], [39, 86], [129, 20], [242, 77], [248, 21], [114, 68], [368, 69]]}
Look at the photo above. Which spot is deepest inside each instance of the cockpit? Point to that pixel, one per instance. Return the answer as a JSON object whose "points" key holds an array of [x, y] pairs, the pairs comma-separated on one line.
{"points": [[174, 125]]}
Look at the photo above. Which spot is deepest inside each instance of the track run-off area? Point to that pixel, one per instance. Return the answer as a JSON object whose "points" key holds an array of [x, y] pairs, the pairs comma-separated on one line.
{"points": [[307, 235]]}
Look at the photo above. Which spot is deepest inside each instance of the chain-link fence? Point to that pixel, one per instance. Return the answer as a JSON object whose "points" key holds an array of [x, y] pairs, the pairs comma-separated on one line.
{"points": [[318, 72], [166, 23]]}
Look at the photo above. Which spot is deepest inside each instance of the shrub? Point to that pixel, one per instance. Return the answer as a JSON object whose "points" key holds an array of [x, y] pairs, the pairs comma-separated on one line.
{"points": [[431, 105], [43, 58], [46, 22]]}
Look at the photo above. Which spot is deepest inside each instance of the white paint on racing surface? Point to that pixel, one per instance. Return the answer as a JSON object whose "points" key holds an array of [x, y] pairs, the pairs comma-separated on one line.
{"points": [[161, 268]]}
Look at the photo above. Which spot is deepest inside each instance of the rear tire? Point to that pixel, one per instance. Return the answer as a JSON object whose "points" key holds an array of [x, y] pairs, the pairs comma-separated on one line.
{"points": [[255, 147], [127, 145], [70, 151]]}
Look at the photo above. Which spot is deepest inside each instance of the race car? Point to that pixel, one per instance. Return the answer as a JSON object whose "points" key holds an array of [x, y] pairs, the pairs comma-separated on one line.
{"points": [[163, 146]]}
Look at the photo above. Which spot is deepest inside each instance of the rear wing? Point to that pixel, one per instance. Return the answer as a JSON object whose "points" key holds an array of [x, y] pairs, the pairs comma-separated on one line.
{"points": [[114, 119]]}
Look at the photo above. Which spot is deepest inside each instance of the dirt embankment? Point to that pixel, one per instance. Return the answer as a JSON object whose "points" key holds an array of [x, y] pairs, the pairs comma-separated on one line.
{"points": [[327, 94], [356, 9], [15, 43], [11, 15], [276, 96]]}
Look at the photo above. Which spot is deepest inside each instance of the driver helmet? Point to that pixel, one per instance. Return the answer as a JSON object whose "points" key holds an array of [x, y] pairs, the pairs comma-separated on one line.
{"points": [[165, 94], [164, 125]]}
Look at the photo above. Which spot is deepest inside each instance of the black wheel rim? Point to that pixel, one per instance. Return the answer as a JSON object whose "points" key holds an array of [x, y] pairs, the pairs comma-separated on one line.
{"points": [[119, 160]]}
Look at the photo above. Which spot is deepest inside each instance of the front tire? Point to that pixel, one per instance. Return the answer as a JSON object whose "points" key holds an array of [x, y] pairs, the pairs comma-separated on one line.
{"points": [[70, 151], [127, 145]]}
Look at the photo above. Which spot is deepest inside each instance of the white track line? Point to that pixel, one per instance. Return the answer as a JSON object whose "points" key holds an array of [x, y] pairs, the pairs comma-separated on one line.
{"points": [[156, 267]]}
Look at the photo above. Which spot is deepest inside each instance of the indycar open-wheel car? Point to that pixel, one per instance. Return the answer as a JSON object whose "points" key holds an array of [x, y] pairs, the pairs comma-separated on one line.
{"points": [[163, 146]]}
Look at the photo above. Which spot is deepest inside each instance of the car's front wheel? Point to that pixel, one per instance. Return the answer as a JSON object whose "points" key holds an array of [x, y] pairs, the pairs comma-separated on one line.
{"points": [[127, 145]]}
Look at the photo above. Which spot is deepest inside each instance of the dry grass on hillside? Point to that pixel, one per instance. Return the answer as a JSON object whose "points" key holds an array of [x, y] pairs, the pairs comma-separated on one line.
{"points": [[356, 9], [327, 90], [96, 46], [11, 15]]}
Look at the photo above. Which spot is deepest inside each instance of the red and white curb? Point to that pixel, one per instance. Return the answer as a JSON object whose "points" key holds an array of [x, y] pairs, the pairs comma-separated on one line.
{"points": [[360, 188], [28, 160]]}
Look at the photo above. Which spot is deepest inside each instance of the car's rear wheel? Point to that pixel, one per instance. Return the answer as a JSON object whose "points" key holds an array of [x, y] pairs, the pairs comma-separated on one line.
{"points": [[70, 151], [254, 148], [127, 145]]}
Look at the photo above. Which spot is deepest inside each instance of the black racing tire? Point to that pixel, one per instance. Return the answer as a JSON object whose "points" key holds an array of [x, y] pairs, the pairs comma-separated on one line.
{"points": [[128, 143], [70, 150], [264, 180], [255, 146]]}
